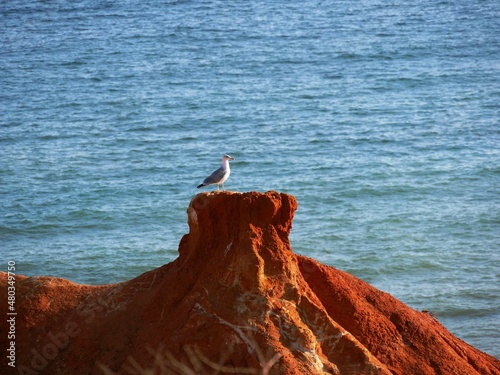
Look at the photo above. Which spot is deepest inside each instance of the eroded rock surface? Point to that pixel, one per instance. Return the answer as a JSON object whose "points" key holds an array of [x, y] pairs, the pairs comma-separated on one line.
{"points": [[236, 300]]}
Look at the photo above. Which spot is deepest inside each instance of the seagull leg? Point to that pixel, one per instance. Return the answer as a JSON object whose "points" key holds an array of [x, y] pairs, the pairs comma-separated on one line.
{"points": [[223, 186]]}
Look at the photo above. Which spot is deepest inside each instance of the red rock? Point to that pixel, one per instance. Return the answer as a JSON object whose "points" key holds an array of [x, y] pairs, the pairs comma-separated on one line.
{"points": [[236, 300]]}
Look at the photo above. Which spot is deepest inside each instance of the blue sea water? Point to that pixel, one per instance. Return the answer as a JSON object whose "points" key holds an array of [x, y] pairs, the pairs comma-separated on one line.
{"points": [[381, 118]]}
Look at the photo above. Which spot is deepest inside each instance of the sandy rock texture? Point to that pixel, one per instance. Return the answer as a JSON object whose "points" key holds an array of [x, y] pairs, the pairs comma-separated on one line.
{"points": [[236, 300]]}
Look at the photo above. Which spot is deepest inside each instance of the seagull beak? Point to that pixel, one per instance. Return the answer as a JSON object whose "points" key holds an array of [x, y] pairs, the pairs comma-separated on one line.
{"points": [[231, 158]]}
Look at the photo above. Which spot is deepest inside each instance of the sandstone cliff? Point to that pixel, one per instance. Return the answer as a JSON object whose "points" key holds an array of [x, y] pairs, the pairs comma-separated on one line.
{"points": [[236, 300]]}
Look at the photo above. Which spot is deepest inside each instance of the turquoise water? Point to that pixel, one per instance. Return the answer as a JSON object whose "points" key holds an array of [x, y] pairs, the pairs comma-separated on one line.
{"points": [[381, 118]]}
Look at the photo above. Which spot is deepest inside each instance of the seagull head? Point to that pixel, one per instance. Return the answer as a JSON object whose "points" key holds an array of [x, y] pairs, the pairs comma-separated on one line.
{"points": [[227, 157]]}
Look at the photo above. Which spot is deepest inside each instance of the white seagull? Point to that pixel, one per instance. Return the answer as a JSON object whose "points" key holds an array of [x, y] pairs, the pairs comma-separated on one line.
{"points": [[220, 175]]}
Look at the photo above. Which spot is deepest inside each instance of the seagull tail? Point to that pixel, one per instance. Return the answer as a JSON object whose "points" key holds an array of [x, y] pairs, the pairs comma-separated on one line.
{"points": [[200, 185]]}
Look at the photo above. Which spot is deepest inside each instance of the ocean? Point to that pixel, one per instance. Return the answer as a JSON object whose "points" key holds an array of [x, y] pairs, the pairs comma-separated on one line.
{"points": [[381, 118]]}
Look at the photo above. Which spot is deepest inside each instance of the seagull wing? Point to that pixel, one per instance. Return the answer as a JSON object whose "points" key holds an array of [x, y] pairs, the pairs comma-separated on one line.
{"points": [[215, 177]]}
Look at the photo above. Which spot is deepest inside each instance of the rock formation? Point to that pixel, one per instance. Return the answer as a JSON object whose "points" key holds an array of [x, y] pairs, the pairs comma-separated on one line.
{"points": [[236, 300]]}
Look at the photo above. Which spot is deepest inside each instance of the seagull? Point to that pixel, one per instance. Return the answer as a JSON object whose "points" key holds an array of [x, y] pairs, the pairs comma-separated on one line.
{"points": [[220, 175]]}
